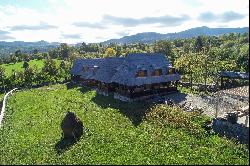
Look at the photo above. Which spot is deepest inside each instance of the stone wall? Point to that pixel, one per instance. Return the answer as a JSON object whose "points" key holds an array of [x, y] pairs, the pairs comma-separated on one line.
{"points": [[225, 128], [102, 92], [200, 86], [122, 98]]}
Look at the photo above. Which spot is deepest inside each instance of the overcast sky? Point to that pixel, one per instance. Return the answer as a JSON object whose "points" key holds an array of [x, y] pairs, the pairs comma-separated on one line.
{"points": [[73, 21]]}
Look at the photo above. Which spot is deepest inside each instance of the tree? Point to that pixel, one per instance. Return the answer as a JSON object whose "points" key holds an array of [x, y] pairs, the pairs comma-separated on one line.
{"points": [[50, 70], [45, 55], [178, 43], [243, 58], [73, 56], [25, 65], [18, 53], [13, 58], [190, 65], [186, 47], [62, 64], [29, 75], [13, 78], [214, 67], [83, 48], [110, 52], [19, 78], [35, 51], [64, 71], [2, 77], [206, 63], [164, 47], [198, 44], [53, 53], [64, 50], [39, 56]]}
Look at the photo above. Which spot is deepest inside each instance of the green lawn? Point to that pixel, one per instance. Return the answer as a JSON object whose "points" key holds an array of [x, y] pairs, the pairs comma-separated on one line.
{"points": [[19, 66], [117, 132]]}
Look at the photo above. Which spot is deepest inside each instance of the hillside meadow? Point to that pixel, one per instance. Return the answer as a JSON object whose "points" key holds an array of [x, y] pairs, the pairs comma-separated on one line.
{"points": [[19, 65], [116, 132]]}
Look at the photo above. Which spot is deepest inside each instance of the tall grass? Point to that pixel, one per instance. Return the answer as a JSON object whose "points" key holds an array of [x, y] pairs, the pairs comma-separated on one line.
{"points": [[116, 132]]}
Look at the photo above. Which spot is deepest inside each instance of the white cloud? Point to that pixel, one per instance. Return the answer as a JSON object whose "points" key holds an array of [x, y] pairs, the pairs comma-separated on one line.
{"points": [[64, 14]]}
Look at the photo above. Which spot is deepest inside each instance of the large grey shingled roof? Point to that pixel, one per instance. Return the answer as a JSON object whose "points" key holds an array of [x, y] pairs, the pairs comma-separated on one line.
{"points": [[123, 70], [78, 65]]}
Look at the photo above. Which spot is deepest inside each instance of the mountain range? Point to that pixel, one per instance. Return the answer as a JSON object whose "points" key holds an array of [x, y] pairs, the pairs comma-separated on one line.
{"points": [[150, 37], [26, 47]]}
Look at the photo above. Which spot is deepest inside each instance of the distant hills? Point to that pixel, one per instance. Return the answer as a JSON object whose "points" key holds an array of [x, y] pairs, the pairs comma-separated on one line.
{"points": [[150, 37], [26, 47]]}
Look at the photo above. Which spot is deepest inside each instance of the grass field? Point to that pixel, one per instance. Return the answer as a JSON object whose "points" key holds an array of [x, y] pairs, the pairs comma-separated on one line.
{"points": [[19, 66], [116, 132]]}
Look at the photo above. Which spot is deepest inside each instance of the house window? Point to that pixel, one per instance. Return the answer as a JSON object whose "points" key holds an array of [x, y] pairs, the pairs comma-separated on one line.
{"points": [[157, 72], [170, 71], [141, 73], [148, 86]]}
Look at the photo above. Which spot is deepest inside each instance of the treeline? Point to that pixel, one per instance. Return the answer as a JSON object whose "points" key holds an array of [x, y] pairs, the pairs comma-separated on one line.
{"points": [[7, 48], [31, 76], [197, 59]]}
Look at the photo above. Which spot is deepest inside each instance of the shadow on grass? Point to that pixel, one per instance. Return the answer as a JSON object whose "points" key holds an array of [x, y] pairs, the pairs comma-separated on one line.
{"points": [[135, 111], [71, 85], [64, 144]]}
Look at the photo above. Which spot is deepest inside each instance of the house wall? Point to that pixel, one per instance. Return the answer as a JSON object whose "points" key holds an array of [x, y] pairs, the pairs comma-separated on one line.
{"points": [[75, 77], [131, 92], [145, 90]]}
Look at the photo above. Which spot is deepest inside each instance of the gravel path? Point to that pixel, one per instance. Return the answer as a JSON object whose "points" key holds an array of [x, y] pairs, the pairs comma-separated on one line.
{"points": [[227, 103]]}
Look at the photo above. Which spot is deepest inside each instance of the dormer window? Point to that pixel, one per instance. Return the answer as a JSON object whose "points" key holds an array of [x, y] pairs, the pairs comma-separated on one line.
{"points": [[95, 68], [157, 72], [85, 68], [141, 73], [170, 70]]}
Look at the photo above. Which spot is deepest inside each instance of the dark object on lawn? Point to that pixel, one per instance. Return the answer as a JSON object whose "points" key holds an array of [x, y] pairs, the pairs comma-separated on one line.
{"points": [[208, 125], [72, 129], [72, 126], [232, 117]]}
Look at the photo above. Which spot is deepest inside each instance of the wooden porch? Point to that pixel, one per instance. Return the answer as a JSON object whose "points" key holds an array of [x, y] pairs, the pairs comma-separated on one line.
{"points": [[146, 90]]}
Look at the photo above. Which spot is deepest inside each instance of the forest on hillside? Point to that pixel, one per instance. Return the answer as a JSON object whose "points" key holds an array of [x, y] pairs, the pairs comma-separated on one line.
{"points": [[197, 59]]}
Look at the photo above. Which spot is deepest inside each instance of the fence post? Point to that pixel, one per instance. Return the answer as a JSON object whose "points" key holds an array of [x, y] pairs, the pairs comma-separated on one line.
{"points": [[217, 105], [4, 105], [246, 121]]}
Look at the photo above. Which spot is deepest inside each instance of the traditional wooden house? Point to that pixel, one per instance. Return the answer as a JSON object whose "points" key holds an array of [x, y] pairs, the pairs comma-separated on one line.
{"points": [[133, 77]]}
